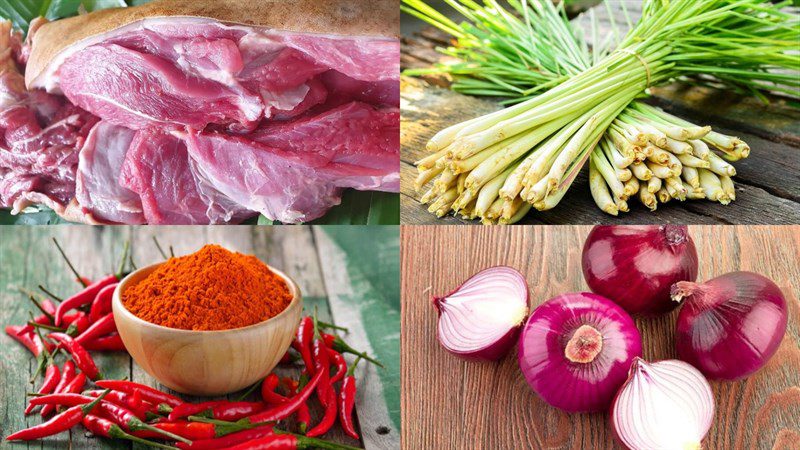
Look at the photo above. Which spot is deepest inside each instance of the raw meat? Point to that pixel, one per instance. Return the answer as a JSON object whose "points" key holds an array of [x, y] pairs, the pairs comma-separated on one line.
{"points": [[184, 120]]}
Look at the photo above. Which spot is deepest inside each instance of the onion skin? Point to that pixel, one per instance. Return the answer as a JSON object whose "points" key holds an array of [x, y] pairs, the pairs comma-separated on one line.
{"points": [[730, 326], [635, 265], [566, 384], [499, 346], [664, 405]]}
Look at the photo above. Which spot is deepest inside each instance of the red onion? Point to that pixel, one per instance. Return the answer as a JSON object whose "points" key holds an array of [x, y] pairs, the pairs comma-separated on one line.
{"points": [[730, 326], [663, 405], [635, 265], [481, 318], [576, 349]]}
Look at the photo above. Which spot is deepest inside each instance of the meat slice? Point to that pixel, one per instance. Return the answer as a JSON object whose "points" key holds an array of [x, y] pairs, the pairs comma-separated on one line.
{"points": [[139, 90], [294, 171], [157, 167], [97, 184]]}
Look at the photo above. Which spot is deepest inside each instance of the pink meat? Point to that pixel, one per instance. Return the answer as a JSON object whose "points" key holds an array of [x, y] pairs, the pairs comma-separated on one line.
{"points": [[97, 187], [157, 167]]}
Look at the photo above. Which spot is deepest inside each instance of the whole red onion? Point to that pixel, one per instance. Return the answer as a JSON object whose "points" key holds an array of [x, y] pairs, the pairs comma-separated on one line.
{"points": [[576, 349], [729, 326], [635, 265]]}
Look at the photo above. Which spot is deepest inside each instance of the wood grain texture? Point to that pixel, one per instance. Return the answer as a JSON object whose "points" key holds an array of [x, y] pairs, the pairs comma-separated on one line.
{"points": [[767, 183], [27, 258], [449, 403]]}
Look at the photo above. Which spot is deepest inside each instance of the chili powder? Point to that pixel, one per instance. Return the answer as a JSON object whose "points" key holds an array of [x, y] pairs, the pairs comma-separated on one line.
{"points": [[212, 289]]}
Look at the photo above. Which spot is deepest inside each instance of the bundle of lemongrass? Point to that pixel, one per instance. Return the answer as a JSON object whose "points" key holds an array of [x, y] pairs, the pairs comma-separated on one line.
{"points": [[497, 167]]}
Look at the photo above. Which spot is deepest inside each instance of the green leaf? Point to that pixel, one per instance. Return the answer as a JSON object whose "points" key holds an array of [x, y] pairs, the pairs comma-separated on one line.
{"points": [[45, 216], [22, 12]]}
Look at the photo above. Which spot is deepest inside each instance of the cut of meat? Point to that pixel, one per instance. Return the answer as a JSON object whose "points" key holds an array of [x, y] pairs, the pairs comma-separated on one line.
{"points": [[138, 90], [99, 166], [157, 167], [188, 120]]}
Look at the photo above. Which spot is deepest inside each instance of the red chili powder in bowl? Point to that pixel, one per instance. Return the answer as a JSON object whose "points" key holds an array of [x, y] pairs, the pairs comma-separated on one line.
{"points": [[212, 289]]}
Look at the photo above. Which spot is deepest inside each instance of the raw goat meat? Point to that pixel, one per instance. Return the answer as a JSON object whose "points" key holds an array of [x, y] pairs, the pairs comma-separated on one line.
{"points": [[188, 120]]}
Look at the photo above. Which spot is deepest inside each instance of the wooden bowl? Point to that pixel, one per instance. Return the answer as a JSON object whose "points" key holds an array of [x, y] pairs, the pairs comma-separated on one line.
{"points": [[206, 362]]}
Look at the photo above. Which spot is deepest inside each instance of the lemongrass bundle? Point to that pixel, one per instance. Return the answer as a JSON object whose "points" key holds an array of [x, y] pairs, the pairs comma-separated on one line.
{"points": [[531, 152]]}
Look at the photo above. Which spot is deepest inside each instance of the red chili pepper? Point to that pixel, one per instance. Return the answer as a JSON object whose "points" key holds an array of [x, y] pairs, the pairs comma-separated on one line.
{"points": [[232, 411], [302, 341], [85, 296], [101, 327], [133, 402], [228, 440], [149, 394], [288, 442], [75, 385], [268, 390], [78, 321], [341, 365], [129, 422], [30, 340], [192, 431], [51, 377], [102, 303], [336, 343], [65, 399], [330, 415], [79, 354], [287, 358], [67, 374], [99, 426], [57, 424], [321, 364], [191, 409], [303, 417], [42, 319], [112, 342], [288, 408], [347, 400]]}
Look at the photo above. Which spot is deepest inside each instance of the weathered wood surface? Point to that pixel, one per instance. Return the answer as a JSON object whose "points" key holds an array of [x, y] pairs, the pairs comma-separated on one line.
{"points": [[449, 403], [28, 258], [767, 184]]}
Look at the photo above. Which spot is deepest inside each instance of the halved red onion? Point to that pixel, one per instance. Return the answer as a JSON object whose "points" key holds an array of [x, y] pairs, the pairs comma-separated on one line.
{"points": [[575, 351], [635, 265], [729, 326], [663, 405], [481, 318]]}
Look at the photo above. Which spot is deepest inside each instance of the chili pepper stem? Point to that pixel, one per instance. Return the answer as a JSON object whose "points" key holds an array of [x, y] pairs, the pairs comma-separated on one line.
{"points": [[71, 267], [332, 326], [46, 327], [160, 250], [307, 442], [117, 432], [136, 425], [50, 294], [249, 391], [39, 305], [121, 266]]}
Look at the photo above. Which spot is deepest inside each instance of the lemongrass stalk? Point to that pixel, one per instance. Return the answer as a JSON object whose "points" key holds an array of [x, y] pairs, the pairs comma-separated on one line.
{"points": [[663, 195], [521, 212], [675, 188], [659, 156], [623, 174], [631, 187], [428, 196], [472, 162], [490, 191], [430, 160], [692, 161], [653, 185], [510, 208], [694, 131], [678, 147], [691, 176], [460, 182], [699, 148], [440, 141], [711, 185], [727, 187], [659, 170], [719, 166], [641, 171], [495, 210], [446, 180], [647, 198], [441, 205], [426, 176], [629, 133], [671, 131], [603, 167], [693, 193], [616, 157], [624, 146]]}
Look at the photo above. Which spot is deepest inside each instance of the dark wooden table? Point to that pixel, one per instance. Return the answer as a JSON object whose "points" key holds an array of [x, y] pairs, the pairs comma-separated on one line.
{"points": [[767, 183], [350, 274], [449, 403]]}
